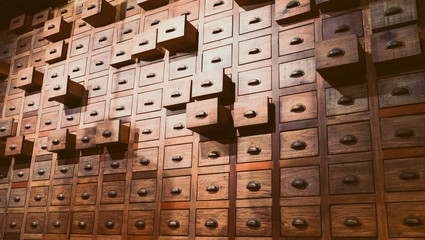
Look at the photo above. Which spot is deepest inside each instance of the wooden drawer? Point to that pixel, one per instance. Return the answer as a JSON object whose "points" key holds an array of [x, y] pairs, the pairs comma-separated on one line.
{"points": [[204, 87], [96, 86], [86, 194], [6, 50], [17, 197], [5, 173], [8, 128], [66, 11], [145, 159], [103, 38], [123, 80], [400, 46], [404, 174], [299, 181], [145, 46], [98, 13], [20, 63], [213, 153], [349, 137], [80, 26], [253, 221], [299, 143], [35, 222], [296, 39], [121, 55], [32, 103], [18, 147], [67, 92], [82, 222], [56, 52], [61, 195], [213, 187], [37, 59], [405, 131], [140, 222], [42, 170], [143, 190], [20, 24], [289, 11], [100, 62], [70, 117], [191, 10], [148, 130], [127, 30], [41, 148], [343, 25], [254, 148], [254, 184], [110, 222], [212, 222], [207, 116], [177, 93], [115, 162], [254, 81], [176, 189], [300, 221], [401, 90], [182, 67], [57, 29], [217, 6], [178, 156], [60, 141], [178, 34], [95, 112], [80, 46], [174, 222], [254, 20], [151, 74], [217, 58], [23, 45], [344, 100], [112, 192], [351, 178], [88, 166], [13, 224], [356, 220], [406, 219], [255, 49], [20, 172], [131, 8], [219, 29], [53, 73], [175, 126], [64, 169], [151, 4], [120, 107], [48, 121], [39, 41], [252, 111], [29, 79], [391, 13], [3, 199], [152, 21], [58, 222], [298, 107], [13, 106], [112, 132]]}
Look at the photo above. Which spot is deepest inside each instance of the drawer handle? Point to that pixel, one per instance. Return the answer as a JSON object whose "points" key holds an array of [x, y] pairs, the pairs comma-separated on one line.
{"points": [[253, 223], [115, 164], [182, 68], [51, 27], [351, 180], [299, 145], [292, 4], [254, 82], [296, 41], [23, 45], [145, 161], [38, 60], [299, 223], [336, 52], [57, 224], [53, 51], [404, 133], [102, 39], [76, 69], [352, 222], [88, 167], [2, 129], [400, 91], [299, 183], [82, 224], [346, 100], [144, 42], [70, 118], [94, 113], [150, 75], [254, 51], [91, 7], [214, 154], [207, 83], [176, 94], [393, 11], [60, 196], [177, 158], [82, 25], [121, 82], [106, 133], [412, 221], [140, 224], [409, 176], [17, 198], [24, 78], [127, 31], [174, 224], [250, 114], [37, 197], [48, 122], [175, 190], [216, 60], [342, 28], [85, 195], [54, 75], [142, 192], [254, 20], [27, 126], [13, 224], [253, 186], [79, 46], [120, 53], [34, 224], [348, 139], [99, 63], [187, 13], [218, 3], [57, 88], [212, 188], [16, 21], [178, 126], [110, 224], [130, 8], [211, 223], [149, 102], [7, 50], [297, 108], [96, 88], [55, 141], [13, 147], [63, 170], [170, 30], [41, 171], [201, 114], [394, 44], [217, 30], [44, 147], [254, 150], [112, 194], [297, 73], [120, 108], [147, 131], [85, 139], [155, 22]]}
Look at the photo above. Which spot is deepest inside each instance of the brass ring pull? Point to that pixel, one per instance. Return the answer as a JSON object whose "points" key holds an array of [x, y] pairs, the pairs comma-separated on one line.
{"points": [[393, 11], [342, 28], [404, 133], [336, 52], [299, 183], [394, 44], [346, 100], [352, 222], [299, 145], [214, 154]]}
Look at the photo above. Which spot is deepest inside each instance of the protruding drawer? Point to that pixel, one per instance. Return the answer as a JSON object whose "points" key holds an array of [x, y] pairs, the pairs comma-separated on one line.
{"points": [[300, 221], [213, 187], [18, 147], [296, 40], [131, 8], [182, 67], [121, 55], [143, 190], [98, 12], [81, 26], [95, 112], [205, 86], [103, 38], [29, 79], [207, 116], [57, 29], [356, 220], [177, 93], [100, 62], [148, 129], [217, 6], [88, 166], [351, 178], [349, 137], [175, 126], [176, 189], [61, 195], [151, 4], [58, 222], [141, 222], [41, 170], [35, 222], [149, 101], [253, 221], [112, 133], [68, 92], [178, 34], [17, 197], [123, 80], [299, 181], [8, 128], [255, 49], [297, 107], [213, 153], [407, 131], [178, 156], [80, 46], [254, 148], [151, 74], [60, 141], [115, 162], [217, 58], [82, 222], [219, 29], [145, 159], [289, 11], [86, 194], [56, 52], [250, 111], [127, 30], [406, 219], [13, 106], [343, 25], [256, 19], [110, 223], [112, 192], [253, 81], [190, 9], [145, 46], [404, 174], [212, 222], [174, 223], [254, 184], [344, 100], [20, 24], [392, 13]]}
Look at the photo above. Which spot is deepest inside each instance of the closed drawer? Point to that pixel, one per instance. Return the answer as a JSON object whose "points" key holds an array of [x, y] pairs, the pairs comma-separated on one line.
{"points": [[103, 38], [255, 50], [96, 86], [110, 222], [299, 143], [289, 11], [385, 14], [85, 138], [53, 73], [254, 148], [217, 58], [251, 111], [95, 112], [123, 80], [56, 52], [57, 29], [143, 190], [253, 81], [13, 224], [351, 178], [178, 156], [253, 221], [64, 169], [405, 131], [145, 46], [61, 195], [174, 222], [296, 40], [356, 220], [131, 8], [28, 125], [140, 222], [401, 90], [406, 219], [3, 87], [13, 106], [42, 170], [20, 172], [254, 184], [23, 45], [152, 21], [177, 34], [80, 46], [191, 10], [148, 130], [350, 137], [86, 194], [145, 159], [41, 146], [17, 197], [127, 30], [39, 41], [100, 62], [35, 222], [254, 20], [299, 181], [182, 67], [120, 107], [344, 100], [213, 153], [213, 187], [175, 126], [82, 222], [112, 192], [6, 50], [115, 162], [404, 174], [151, 74], [212, 222], [48, 121], [58, 222], [88, 166], [112, 132], [298, 107], [121, 55], [300, 221], [32, 103], [207, 116], [70, 117], [177, 93], [20, 63], [98, 12], [81, 26], [5, 173], [65, 11], [77, 68], [216, 6], [343, 25], [204, 86], [218, 29], [176, 189], [20, 24]]}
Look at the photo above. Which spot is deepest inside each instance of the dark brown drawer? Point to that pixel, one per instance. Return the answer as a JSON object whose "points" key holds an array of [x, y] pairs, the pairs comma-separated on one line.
{"points": [[145, 159], [298, 107], [3, 86], [29, 79], [18, 147], [86, 194], [254, 20], [32, 103], [112, 133], [20, 63], [177, 34], [13, 106], [289, 11], [37, 58], [182, 67], [17, 197], [151, 74], [175, 126], [103, 38], [95, 112], [254, 184], [177, 93], [253, 81], [204, 86], [404, 174], [123, 80], [48, 121], [296, 39], [213, 153], [100, 62], [176, 189], [127, 30], [252, 111], [253, 221], [140, 222], [58, 222], [13, 224], [115, 162], [151, 4], [217, 58], [110, 222], [178, 156], [42, 170], [20, 24], [3, 198], [98, 12], [255, 49], [152, 21], [120, 107], [35, 222], [41, 17], [174, 222], [5, 173], [60, 141], [121, 55], [80, 46], [81, 26], [254, 148], [23, 45], [57, 29], [88, 166], [299, 181], [96, 86], [212, 222], [64, 169], [300, 221], [149, 101], [213, 187], [112, 192], [405, 131], [406, 219], [356, 220], [70, 117], [82, 222], [351, 178], [8, 128], [61, 195], [344, 100], [391, 13], [66, 11], [217, 6], [343, 25], [219, 29], [349, 137], [143, 190], [56, 52], [145, 46], [191, 10]]}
